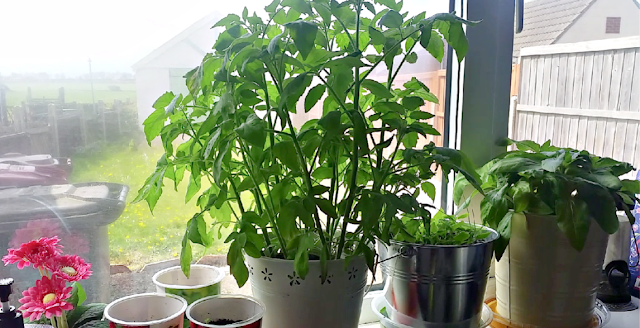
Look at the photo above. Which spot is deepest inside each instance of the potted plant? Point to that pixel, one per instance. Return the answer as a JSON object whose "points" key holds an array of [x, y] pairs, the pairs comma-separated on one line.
{"points": [[304, 202], [437, 269], [57, 297], [543, 201]]}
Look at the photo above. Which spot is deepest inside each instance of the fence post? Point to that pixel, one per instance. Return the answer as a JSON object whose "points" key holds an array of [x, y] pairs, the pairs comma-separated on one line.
{"points": [[83, 125], [117, 107], [4, 117], [53, 129], [61, 96], [101, 109]]}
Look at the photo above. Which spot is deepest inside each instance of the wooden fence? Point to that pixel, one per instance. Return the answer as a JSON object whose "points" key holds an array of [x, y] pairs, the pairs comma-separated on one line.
{"points": [[61, 130], [583, 95]]}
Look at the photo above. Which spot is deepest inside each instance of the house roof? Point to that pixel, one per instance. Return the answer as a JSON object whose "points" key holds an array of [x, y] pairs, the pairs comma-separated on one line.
{"points": [[205, 22], [546, 20]]}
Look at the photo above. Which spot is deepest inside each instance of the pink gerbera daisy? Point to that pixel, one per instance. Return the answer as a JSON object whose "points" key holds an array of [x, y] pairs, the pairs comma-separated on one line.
{"points": [[69, 267], [36, 253], [47, 297]]}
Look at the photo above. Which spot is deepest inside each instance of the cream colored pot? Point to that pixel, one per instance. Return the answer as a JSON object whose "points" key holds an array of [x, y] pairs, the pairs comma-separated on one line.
{"points": [[542, 281]]}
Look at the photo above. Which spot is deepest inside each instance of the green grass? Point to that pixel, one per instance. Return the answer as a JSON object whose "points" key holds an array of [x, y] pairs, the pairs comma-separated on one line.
{"points": [[75, 90], [139, 237]]}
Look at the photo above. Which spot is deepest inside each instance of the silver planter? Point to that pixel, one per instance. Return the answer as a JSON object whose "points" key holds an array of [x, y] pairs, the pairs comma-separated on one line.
{"points": [[437, 286]]}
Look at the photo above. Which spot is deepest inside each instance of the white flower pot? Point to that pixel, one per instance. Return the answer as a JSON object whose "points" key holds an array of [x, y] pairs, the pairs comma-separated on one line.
{"points": [[204, 281], [542, 281], [296, 303]]}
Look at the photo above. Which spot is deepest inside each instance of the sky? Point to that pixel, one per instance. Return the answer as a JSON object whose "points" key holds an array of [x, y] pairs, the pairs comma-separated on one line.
{"points": [[61, 36]]}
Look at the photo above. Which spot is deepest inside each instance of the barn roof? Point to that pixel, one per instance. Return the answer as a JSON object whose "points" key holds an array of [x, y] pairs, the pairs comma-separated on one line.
{"points": [[205, 22], [546, 20]]}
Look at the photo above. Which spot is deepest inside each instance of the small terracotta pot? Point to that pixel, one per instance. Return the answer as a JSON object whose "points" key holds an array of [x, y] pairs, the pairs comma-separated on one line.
{"points": [[247, 311], [147, 310]]}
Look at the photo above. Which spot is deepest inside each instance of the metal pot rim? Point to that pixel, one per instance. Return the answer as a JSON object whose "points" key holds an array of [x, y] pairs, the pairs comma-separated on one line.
{"points": [[493, 237]]}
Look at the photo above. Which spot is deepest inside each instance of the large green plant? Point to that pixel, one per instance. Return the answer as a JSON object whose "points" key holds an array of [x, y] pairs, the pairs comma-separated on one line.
{"points": [[293, 193], [572, 185]]}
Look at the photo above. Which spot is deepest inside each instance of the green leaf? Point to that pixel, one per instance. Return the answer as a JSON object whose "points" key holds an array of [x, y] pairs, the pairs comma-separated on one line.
{"points": [[192, 188], [153, 124], [253, 130], [326, 207], [286, 220], [573, 220], [601, 205], [294, 90], [78, 295], [235, 259], [322, 173], [377, 89], [273, 44], [429, 189], [458, 40], [271, 8], [420, 115], [377, 38], [286, 153], [252, 217], [301, 6], [435, 44], [513, 165], [228, 21], [186, 255], [521, 196], [552, 164], [370, 7], [632, 186], [87, 316], [494, 206], [410, 140], [303, 34], [197, 231], [313, 96], [504, 229], [412, 58], [319, 189], [301, 261], [392, 19], [412, 103]]}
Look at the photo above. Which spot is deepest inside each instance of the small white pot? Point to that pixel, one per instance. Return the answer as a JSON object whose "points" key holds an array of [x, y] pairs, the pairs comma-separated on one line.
{"points": [[292, 302], [247, 310], [147, 310], [203, 281]]}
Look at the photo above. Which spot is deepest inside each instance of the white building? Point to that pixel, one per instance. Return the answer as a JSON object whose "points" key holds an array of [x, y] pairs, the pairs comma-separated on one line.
{"points": [[568, 21], [163, 69]]}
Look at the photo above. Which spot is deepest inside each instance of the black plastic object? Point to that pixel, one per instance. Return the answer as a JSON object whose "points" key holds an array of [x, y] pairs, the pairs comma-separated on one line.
{"points": [[613, 287], [9, 316], [83, 204]]}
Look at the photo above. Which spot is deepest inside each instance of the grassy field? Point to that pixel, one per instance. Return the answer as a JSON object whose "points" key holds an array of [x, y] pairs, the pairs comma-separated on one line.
{"points": [[140, 237], [75, 90]]}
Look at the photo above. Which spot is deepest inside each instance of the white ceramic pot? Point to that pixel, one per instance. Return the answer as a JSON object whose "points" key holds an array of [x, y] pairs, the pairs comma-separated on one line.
{"points": [[296, 303], [203, 281], [542, 281]]}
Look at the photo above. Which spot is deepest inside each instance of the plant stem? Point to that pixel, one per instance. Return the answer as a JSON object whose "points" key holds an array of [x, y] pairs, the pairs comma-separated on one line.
{"points": [[404, 59], [355, 157], [307, 177]]}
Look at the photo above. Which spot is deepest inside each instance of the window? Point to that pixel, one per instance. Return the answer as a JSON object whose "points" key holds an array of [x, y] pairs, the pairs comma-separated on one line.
{"points": [[613, 25]]}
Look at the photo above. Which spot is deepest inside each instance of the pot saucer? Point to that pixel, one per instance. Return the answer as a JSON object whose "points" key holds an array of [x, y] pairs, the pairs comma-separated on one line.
{"points": [[601, 317], [379, 304]]}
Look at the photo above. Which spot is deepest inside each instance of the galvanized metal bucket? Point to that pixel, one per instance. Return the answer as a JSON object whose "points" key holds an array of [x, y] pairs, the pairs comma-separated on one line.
{"points": [[441, 286]]}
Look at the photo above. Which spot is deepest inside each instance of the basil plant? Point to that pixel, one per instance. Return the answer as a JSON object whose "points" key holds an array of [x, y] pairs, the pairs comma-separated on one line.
{"points": [[319, 191], [574, 186]]}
